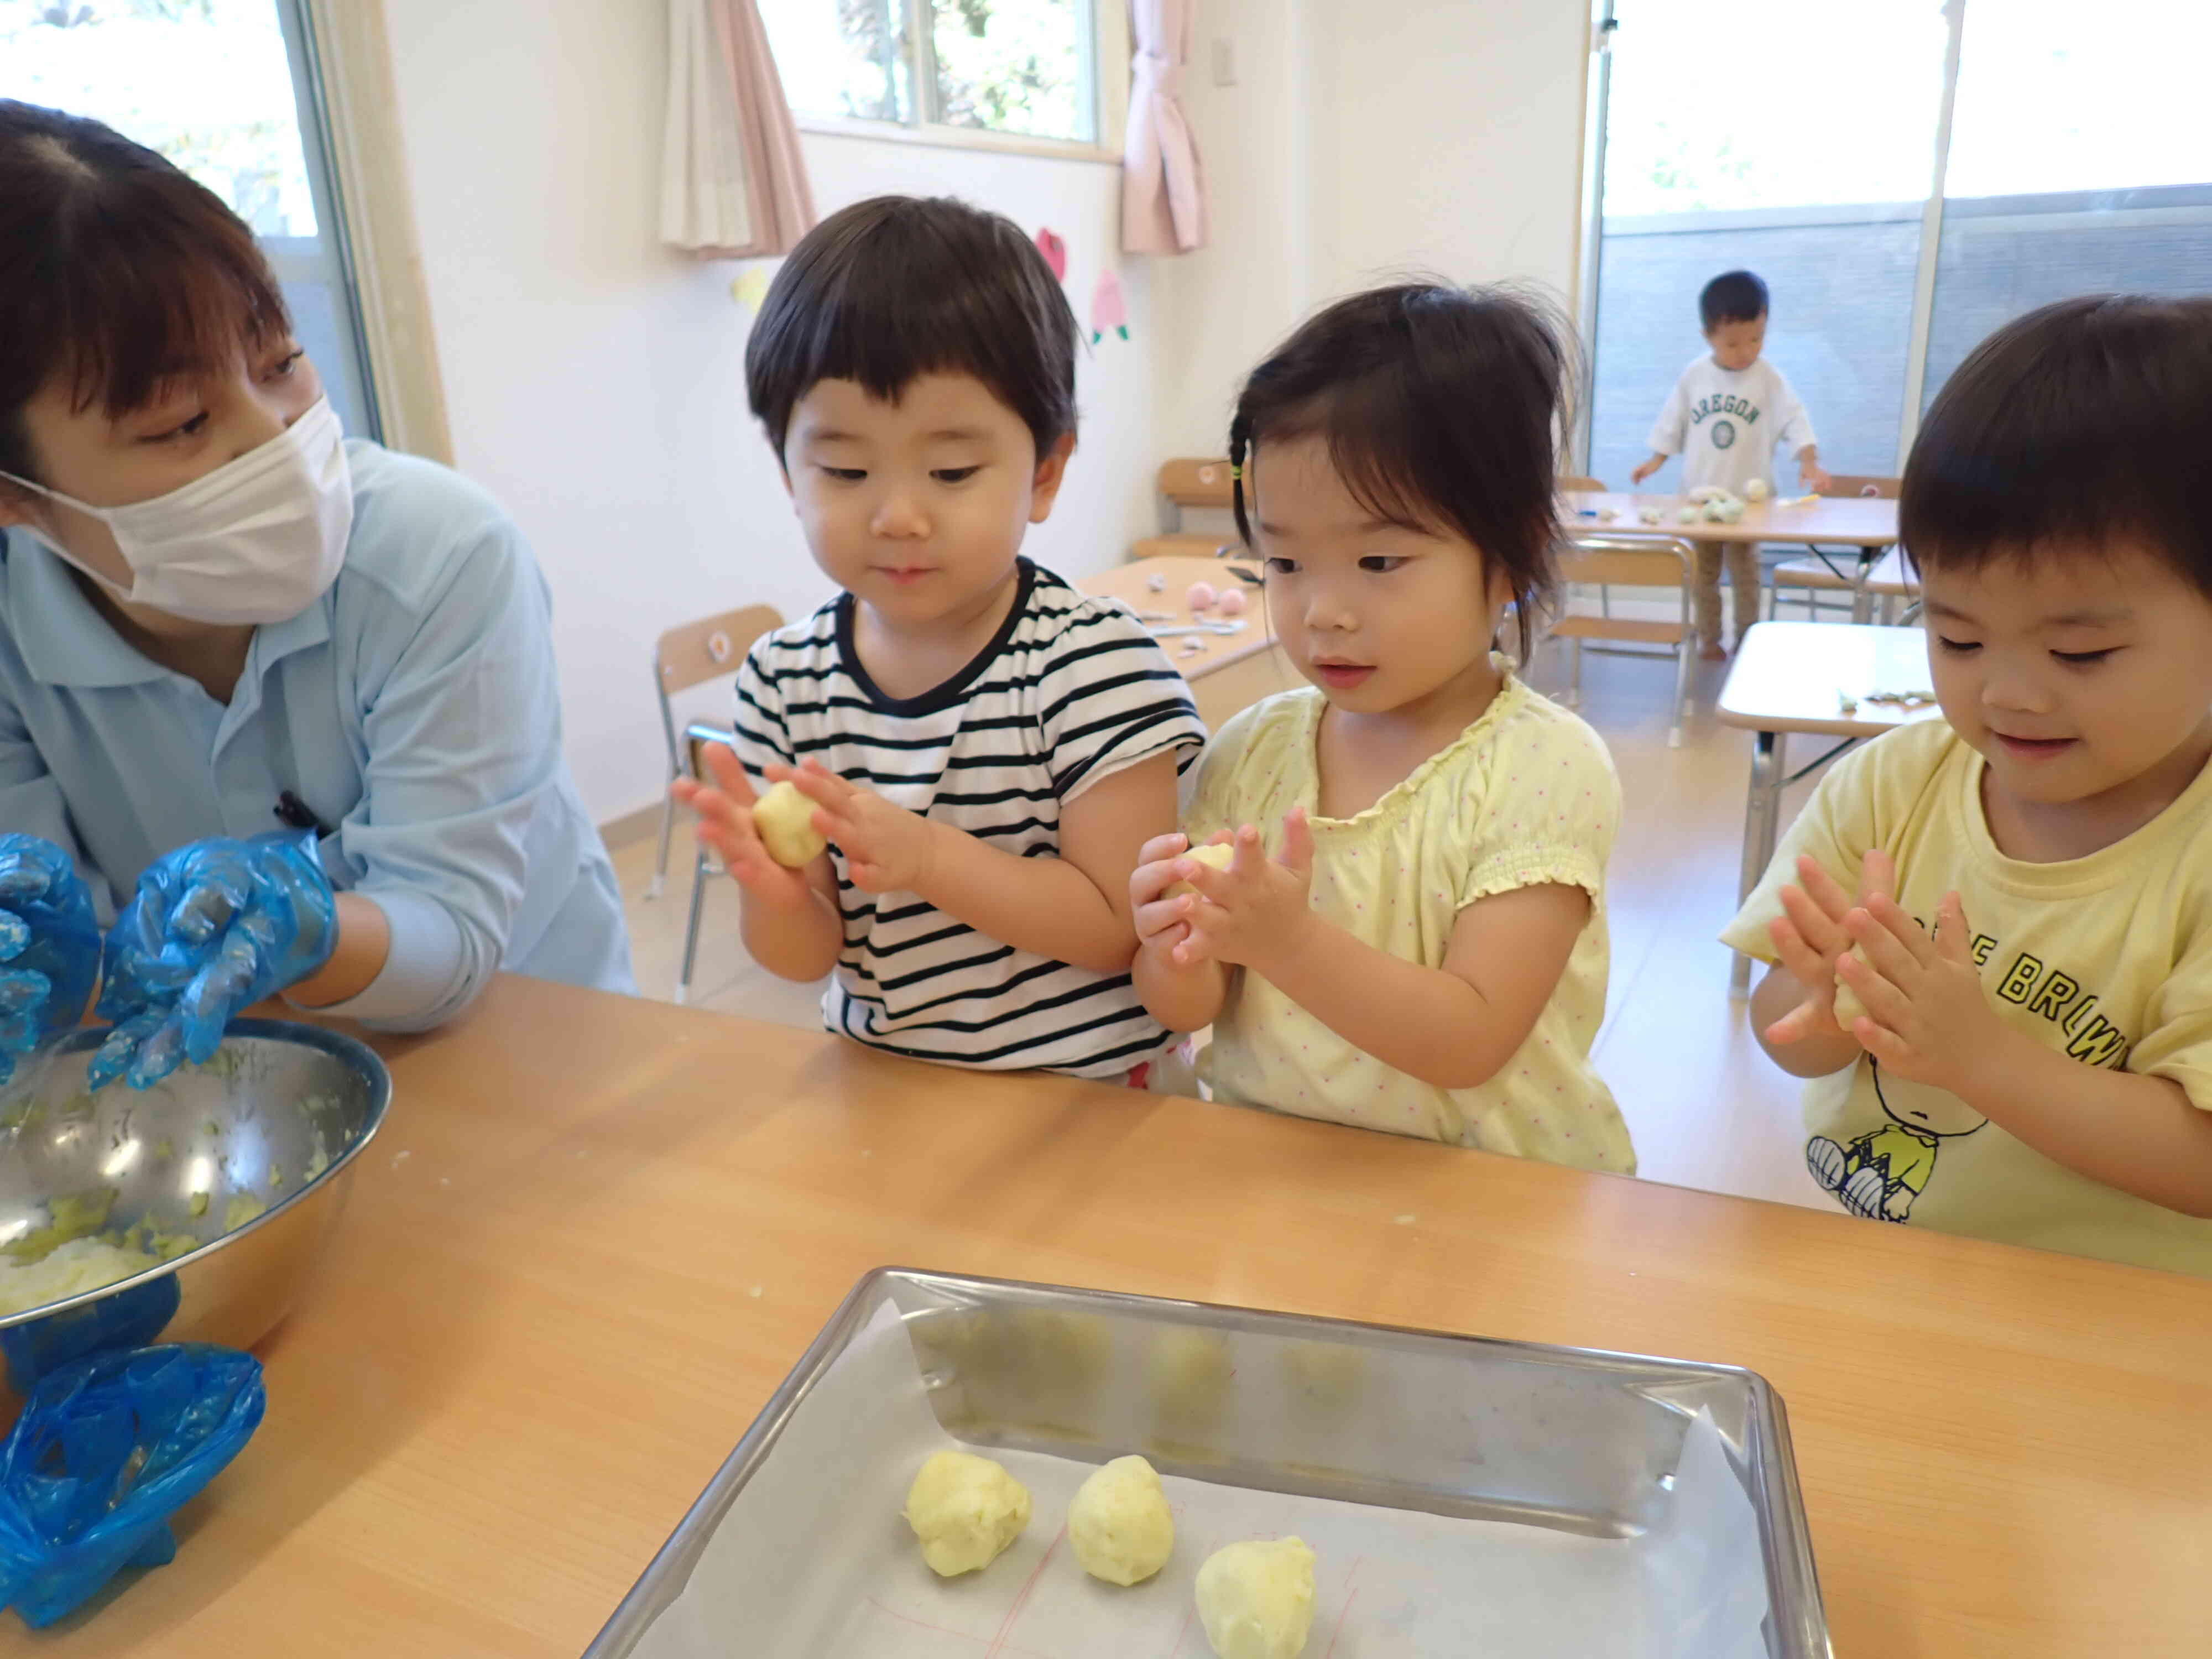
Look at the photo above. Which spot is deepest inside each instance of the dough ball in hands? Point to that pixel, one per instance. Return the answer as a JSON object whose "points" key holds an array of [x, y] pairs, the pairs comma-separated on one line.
{"points": [[1256, 1599], [1214, 858], [1849, 1008], [965, 1510], [784, 819], [1119, 1523]]}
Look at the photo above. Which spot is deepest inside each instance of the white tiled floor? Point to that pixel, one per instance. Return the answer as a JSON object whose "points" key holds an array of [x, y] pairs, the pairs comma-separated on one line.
{"points": [[1705, 1107]]}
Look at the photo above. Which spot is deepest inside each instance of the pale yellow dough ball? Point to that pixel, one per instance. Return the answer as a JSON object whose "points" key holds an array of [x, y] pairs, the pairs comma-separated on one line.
{"points": [[1848, 1005], [1214, 858], [1256, 1599], [1119, 1523], [784, 819], [965, 1510]]}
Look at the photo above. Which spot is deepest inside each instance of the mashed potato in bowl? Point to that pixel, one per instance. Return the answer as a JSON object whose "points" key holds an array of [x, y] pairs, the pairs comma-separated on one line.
{"points": [[67, 1270]]}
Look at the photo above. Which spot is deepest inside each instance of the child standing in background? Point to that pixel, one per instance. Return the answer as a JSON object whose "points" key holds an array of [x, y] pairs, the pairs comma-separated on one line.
{"points": [[985, 749], [1726, 415], [2018, 899], [1426, 951]]}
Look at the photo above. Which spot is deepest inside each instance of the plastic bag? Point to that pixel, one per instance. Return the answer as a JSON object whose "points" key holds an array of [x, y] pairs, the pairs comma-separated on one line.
{"points": [[107, 1450]]}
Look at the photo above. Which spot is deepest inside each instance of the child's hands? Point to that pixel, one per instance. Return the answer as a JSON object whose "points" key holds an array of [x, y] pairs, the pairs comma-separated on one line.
{"points": [[1647, 469], [1161, 922], [1254, 907], [887, 848], [1927, 1018], [724, 808], [1813, 477], [1811, 937]]}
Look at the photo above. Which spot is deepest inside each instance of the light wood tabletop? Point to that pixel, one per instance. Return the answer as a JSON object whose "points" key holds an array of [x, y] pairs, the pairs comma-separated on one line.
{"points": [[595, 1233], [1830, 520], [1226, 671], [1818, 678]]}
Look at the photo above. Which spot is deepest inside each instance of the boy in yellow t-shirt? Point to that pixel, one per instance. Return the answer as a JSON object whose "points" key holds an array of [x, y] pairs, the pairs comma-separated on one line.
{"points": [[1994, 962]]}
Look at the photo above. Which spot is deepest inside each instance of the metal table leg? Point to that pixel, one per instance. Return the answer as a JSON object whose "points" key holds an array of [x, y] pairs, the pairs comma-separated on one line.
{"points": [[1861, 599], [1762, 818]]}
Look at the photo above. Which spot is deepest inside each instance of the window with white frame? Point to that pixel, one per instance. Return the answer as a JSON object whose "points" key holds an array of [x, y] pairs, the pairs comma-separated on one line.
{"points": [[1027, 68], [227, 90], [1906, 174]]}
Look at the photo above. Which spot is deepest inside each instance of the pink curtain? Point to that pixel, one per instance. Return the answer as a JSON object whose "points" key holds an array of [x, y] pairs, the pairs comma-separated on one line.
{"points": [[733, 183], [1163, 182]]}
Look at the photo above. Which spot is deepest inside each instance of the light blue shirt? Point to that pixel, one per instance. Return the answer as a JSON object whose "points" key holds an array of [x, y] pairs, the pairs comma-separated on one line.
{"points": [[414, 708]]}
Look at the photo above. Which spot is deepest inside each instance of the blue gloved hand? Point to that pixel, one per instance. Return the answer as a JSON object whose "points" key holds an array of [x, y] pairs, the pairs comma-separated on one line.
{"points": [[49, 945], [213, 927]]}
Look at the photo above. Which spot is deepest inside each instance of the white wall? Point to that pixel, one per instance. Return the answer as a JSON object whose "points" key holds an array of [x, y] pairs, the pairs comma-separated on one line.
{"points": [[1365, 139], [596, 380]]}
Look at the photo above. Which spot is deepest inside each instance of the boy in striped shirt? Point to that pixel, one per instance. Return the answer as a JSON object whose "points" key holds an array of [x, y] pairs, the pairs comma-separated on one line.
{"points": [[986, 748]]}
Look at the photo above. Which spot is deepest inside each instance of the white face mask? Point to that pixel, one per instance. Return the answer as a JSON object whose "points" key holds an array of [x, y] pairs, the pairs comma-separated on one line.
{"points": [[258, 540]]}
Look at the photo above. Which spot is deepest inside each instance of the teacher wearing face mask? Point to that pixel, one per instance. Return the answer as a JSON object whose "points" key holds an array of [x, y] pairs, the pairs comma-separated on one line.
{"points": [[278, 709]]}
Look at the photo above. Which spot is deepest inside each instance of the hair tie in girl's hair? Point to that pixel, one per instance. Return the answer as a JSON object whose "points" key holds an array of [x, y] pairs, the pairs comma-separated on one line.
{"points": [[1235, 472]]}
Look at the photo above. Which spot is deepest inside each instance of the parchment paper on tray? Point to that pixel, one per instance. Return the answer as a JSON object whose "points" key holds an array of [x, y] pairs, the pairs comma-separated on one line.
{"points": [[813, 1558]]}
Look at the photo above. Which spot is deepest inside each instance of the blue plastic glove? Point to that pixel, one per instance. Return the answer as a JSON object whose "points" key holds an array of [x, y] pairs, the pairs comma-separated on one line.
{"points": [[213, 927], [49, 944], [104, 1452]]}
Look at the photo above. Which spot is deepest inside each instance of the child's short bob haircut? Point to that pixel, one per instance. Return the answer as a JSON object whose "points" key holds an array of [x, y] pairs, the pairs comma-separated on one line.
{"points": [[118, 273], [889, 289], [1441, 407], [1734, 296], [2084, 424]]}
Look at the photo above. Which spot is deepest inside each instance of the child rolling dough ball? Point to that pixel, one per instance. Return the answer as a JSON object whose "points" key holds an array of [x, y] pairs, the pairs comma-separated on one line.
{"points": [[964, 1509], [1256, 1599], [785, 819], [1119, 1523]]}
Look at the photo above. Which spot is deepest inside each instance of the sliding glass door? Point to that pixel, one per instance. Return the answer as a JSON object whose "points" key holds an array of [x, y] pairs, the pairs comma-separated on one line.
{"points": [[2080, 162], [1906, 174]]}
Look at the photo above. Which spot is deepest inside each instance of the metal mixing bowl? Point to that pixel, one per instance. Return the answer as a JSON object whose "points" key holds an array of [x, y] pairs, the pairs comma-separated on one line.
{"points": [[276, 1118]]}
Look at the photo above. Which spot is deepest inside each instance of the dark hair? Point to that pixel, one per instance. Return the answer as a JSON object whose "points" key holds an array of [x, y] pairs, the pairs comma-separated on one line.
{"points": [[1734, 296], [2076, 425], [898, 287], [118, 271], [1441, 408]]}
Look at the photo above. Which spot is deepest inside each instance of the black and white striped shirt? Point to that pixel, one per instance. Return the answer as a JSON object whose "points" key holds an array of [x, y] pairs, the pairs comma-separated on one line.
{"points": [[1072, 690]]}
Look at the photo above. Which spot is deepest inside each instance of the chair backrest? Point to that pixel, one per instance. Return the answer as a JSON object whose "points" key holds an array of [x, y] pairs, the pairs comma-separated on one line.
{"points": [[1623, 562], [1195, 482], [696, 652], [1573, 481], [1862, 483]]}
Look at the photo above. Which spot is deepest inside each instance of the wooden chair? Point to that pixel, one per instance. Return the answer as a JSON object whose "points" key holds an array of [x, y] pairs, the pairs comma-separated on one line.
{"points": [[1655, 562], [1822, 573], [1192, 481], [1576, 482], [689, 655]]}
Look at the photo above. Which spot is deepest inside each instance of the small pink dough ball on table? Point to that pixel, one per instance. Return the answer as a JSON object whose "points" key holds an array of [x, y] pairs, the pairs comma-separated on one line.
{"points": [[1200, 596], [1231, 602]]}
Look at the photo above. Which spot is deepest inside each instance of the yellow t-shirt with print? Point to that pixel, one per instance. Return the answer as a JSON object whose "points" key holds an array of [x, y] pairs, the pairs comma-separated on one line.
{"points": [[2107, 959], [1526, 795]]}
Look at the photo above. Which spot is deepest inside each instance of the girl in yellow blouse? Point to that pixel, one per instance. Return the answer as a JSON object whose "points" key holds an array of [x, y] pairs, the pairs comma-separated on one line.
{"points": [[1425, 951]]}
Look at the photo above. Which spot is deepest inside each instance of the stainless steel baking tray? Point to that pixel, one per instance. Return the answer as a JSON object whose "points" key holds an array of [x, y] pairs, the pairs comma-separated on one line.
{"points": [[1568, 1438]]}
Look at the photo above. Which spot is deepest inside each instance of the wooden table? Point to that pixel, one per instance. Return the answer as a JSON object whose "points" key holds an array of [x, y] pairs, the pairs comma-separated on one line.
{"points": [[617, 1224], [1867, 523], [1227, 671], [1793, 676]]}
